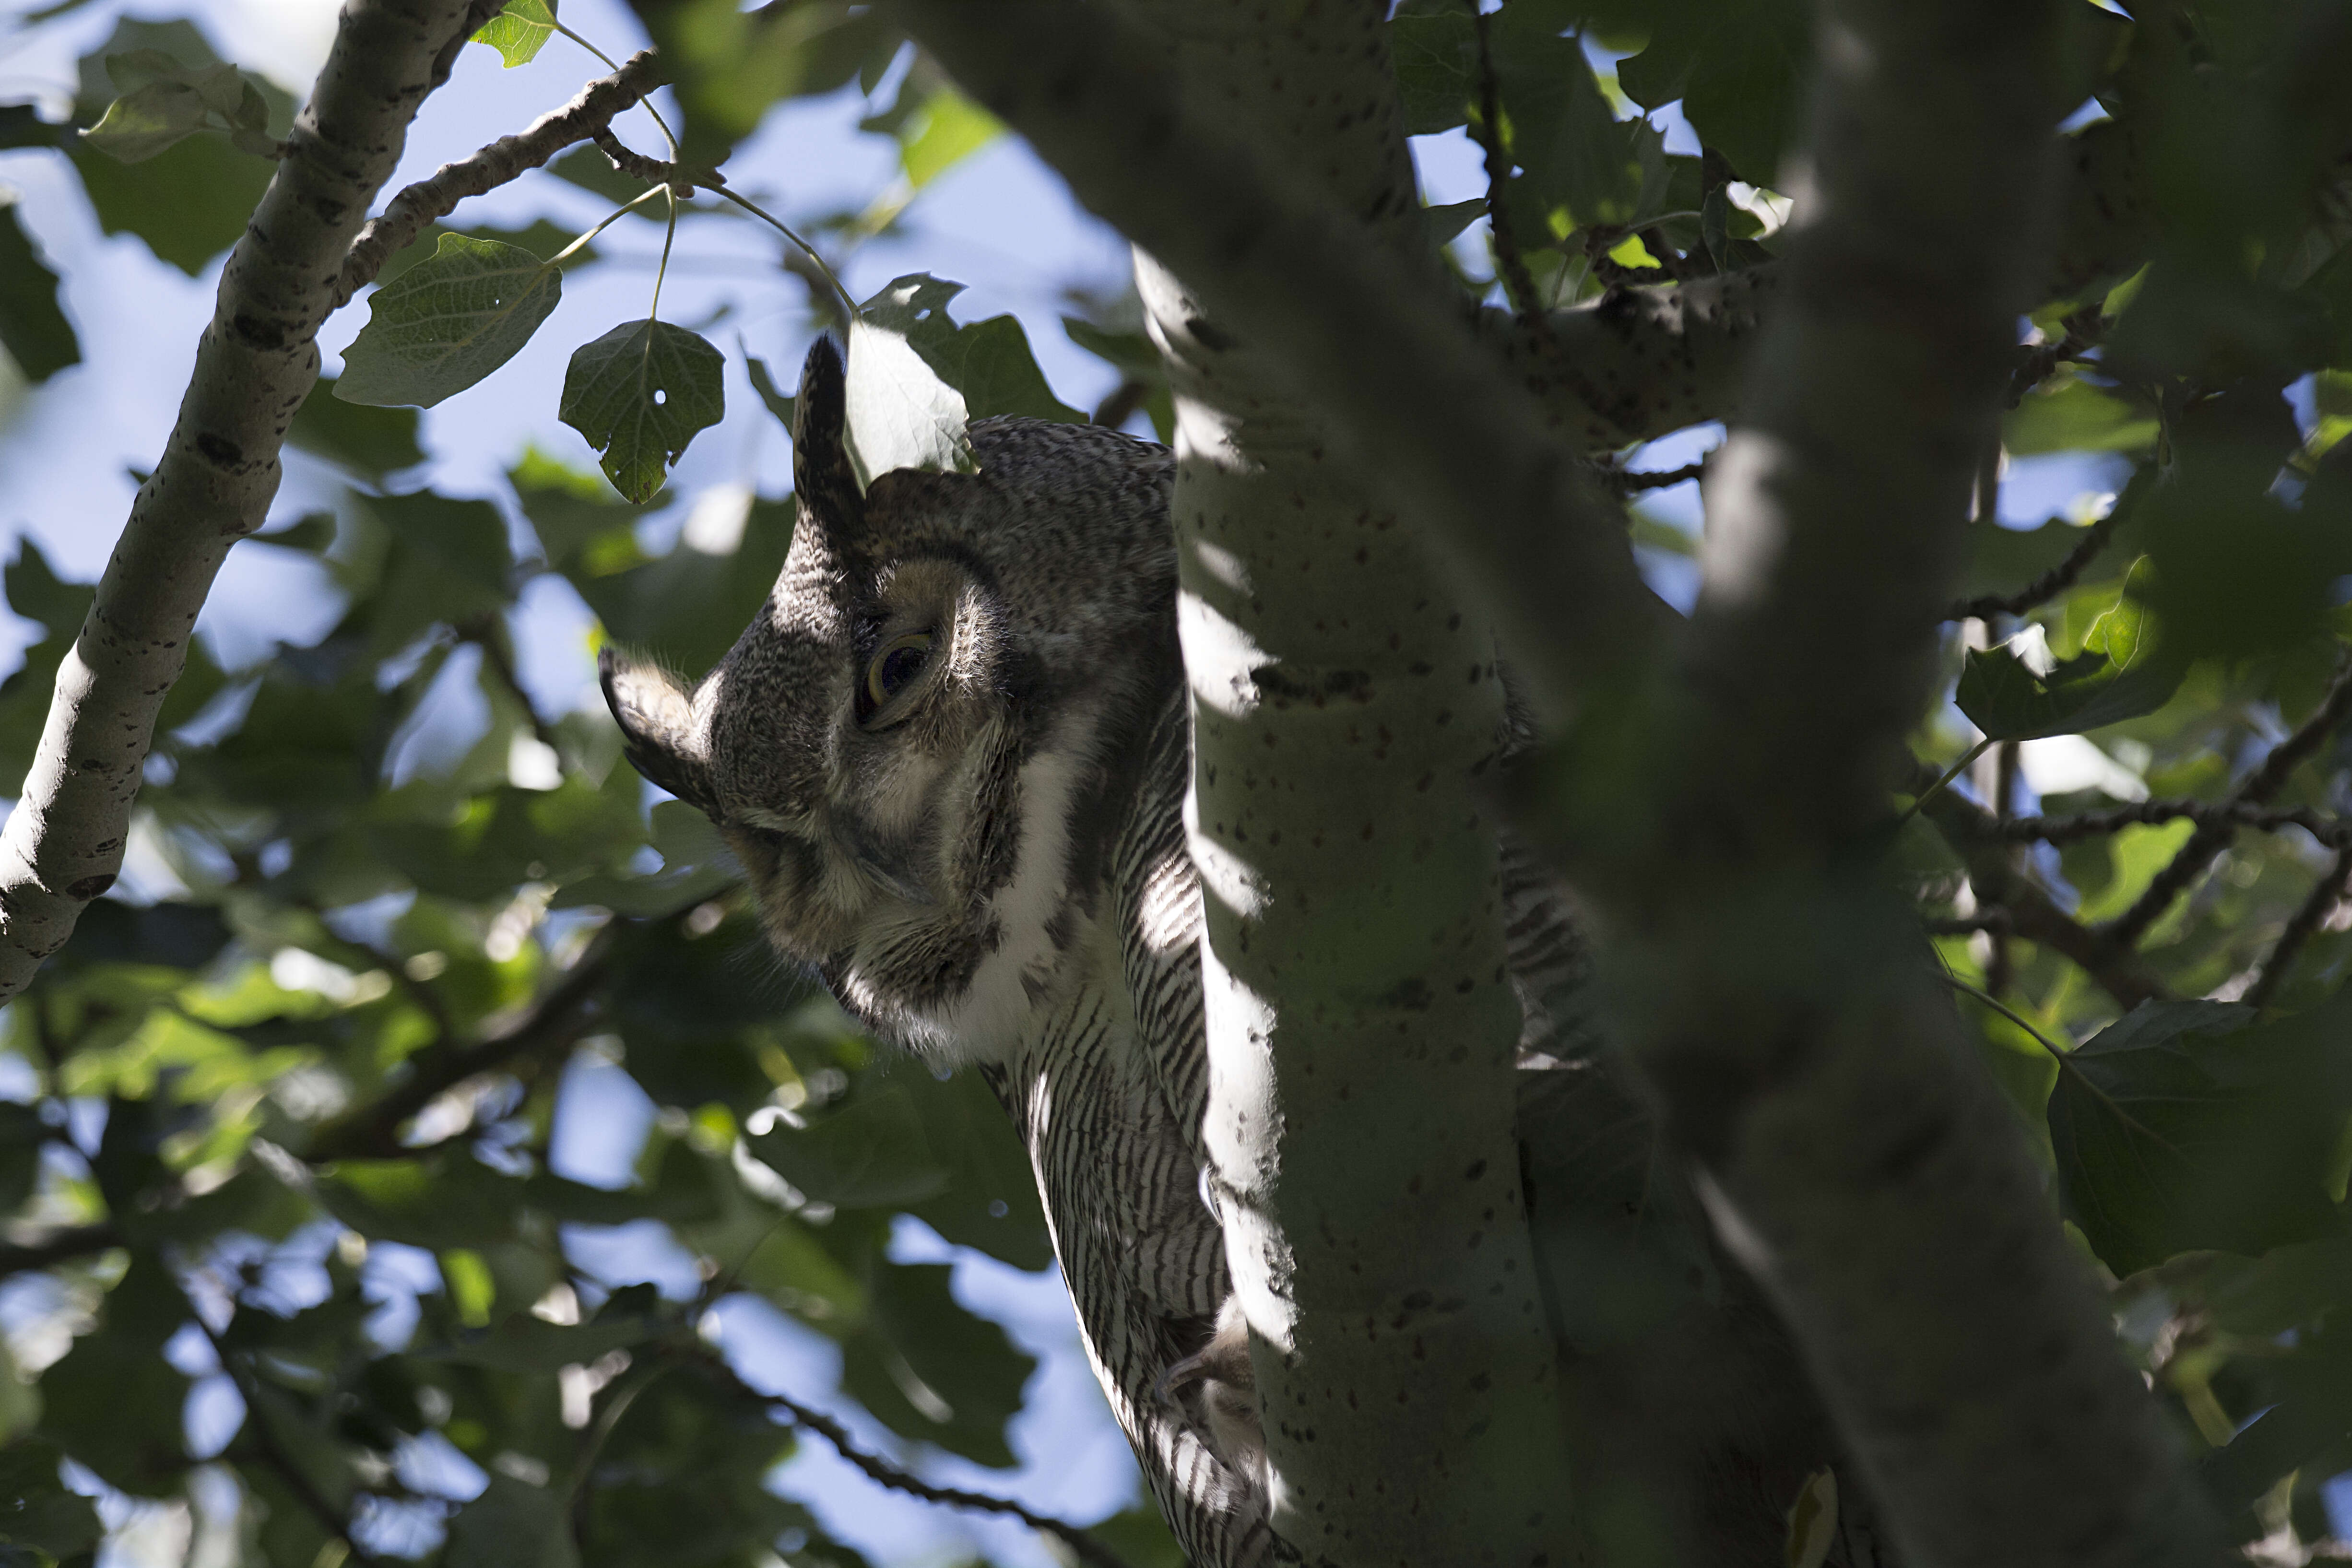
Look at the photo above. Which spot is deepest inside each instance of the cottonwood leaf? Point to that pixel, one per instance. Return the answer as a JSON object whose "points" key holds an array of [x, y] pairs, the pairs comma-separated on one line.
{"points": [[782, 404], [2178, 1129], [447, 322], [511, 1525], [33, 329], [901, 415], [520, 30], [2118, 675], [870, 1153], [138, 125], [640, 393]]}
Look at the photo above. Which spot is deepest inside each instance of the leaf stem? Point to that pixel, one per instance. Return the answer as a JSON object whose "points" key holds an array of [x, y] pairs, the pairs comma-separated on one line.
{"points": [[848, 306], [609, 220], [1970, 755]]}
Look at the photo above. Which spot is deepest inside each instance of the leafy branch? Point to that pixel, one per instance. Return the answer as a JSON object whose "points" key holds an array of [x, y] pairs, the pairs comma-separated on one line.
{"points": [[64, 843], [269, 1451], [2046, 587], [1517, 280], [421, 204], [2260, 786], [554, 1021], [2323, 898], [2219, 815]]}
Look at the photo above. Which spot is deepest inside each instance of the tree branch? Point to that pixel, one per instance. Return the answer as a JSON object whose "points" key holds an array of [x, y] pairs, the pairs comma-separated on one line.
{"points": [[421, 205], [882, 1472], [555, 1020], [1508, 262], [1425, 413], [2020, 907], [2260, 786], [2219, 815], [1851, 1148], [2046, 587], [58, 1247], [2325, 894], [257, 360]]}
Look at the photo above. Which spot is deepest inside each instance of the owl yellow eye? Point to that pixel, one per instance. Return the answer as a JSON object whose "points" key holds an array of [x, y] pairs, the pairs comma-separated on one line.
{"points": [[894, 667]]}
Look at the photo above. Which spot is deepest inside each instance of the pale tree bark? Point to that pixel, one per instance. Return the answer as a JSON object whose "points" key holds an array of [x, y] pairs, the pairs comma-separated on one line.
{"points": [[1858, 1157], [1860, 1160], [219, 471], [1361, 1024]]}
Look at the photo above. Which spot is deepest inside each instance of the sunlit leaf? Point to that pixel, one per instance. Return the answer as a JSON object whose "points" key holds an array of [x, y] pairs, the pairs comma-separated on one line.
{"points": [[901, 415], [639, 393], [520, 30], [445, 323]]}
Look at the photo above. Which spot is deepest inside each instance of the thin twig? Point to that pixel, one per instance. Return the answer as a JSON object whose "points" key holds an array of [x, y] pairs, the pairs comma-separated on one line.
{"points": [[1517, 282], [2260, 786], [2334, 832], [2084, 331], [885, 1473], [421, 204], [2042, 589], [2324, 895]]}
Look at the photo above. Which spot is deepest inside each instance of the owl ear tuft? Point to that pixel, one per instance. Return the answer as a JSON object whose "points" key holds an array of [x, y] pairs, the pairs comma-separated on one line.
{"points": [[822, 475], [657, 729]]}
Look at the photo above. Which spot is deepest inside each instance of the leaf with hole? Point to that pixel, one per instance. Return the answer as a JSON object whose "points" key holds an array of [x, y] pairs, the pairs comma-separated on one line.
{"points": [[520, 30], [640, 393], [447, 323]]}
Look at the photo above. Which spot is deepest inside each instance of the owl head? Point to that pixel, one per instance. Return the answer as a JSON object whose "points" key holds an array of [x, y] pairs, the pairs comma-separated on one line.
{"points": [[918, 749]]}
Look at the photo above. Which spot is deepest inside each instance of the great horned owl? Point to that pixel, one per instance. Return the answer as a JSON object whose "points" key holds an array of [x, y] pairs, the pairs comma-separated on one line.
{"points": [[952, 756]]}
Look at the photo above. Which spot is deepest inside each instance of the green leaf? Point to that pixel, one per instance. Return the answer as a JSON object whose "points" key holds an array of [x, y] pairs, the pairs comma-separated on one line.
{"points": [[540, 236], [140, 124], [114, 1402], [511, 1525], [526, 1343], [455, 1203], [2071, 414], [1435, 55], [950, 128], [990, 1198], [2178, 1129], [36, 1509], [445, 323], [518, 31], [871, 1154], [901, 415], [193, 201], [931, 1371], [916, 379], [371, 442], [639, 393], [33, 329], [781, 403], [2119, 674]]}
